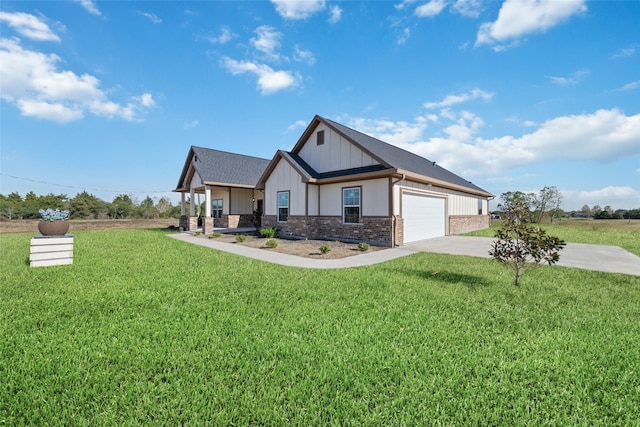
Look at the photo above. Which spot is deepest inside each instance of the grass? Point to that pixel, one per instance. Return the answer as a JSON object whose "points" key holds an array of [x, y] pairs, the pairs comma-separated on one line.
{"points": [[143, 329]]}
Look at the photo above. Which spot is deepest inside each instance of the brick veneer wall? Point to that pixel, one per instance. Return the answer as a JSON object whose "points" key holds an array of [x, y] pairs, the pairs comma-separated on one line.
{"points": [[239, 221], [374, 230], [459, 224], [184, 222]]}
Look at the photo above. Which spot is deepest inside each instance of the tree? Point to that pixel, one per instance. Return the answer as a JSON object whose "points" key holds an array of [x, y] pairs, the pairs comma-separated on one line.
{"points": [[548, 201], [521, 246], [12, 206], [121, 207], [146, 209], [163, 206], [86, 206], [512, 198]]}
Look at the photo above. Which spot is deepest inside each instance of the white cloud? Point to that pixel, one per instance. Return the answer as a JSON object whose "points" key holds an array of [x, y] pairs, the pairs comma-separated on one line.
{"points": [[575, 78], [404, 36], [90, 7], [335, 13], [297, 125], [29, 26], [192, 124], [615, 196], [267, 41], [302, 55], [226, 35], [631, 86], [624, 53], [469, 8], [432, 8], [151, 17], [518, 18], [32, 81], [610, 192], [396, 133], [269, 80], [601, 136], [298, 9], [458, 99], [404, 4]]}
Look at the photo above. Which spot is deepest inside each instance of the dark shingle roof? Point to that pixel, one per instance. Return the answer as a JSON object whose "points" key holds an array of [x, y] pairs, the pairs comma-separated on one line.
{"points": [[399, 158], [228, 168], [332, 174]]}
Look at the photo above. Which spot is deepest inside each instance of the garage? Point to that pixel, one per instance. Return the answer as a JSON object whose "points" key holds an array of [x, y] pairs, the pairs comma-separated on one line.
{"points": [[424, 217]]}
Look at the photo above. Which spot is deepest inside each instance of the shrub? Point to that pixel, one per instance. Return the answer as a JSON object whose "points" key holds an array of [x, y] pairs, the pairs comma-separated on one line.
{"points": [[363, 246], [271, 243], [269, 232], [241, 238], [216, 234], [325, 249], [520, 246], [197, 233]]}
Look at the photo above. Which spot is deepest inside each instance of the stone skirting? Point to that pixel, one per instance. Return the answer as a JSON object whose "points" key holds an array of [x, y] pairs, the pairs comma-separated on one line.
{"points": [[193, 223], [459, 224], [373, 230], [234, 221], [399, 225], [207, 225]]}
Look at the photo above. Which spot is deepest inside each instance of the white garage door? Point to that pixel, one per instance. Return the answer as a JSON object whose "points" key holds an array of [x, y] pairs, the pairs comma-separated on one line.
{"points": [[423, 217]]}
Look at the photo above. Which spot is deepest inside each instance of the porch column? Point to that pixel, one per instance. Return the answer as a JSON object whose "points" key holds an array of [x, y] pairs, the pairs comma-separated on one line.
{"points": [[207, 221], [184, 221], [207, 199], [193, 220], [192, 205]]}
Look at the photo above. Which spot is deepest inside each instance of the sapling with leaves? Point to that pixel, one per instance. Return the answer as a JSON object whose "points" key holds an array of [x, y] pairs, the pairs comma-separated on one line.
{"points": [[521, 246]]}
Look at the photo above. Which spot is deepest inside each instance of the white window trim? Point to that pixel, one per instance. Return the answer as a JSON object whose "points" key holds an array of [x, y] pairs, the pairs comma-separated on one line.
{"points": [[359, 205], [278, 207]]}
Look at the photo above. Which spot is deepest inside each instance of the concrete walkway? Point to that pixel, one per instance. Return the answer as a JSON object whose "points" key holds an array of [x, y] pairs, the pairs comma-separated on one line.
{"points": [[611, 259]]}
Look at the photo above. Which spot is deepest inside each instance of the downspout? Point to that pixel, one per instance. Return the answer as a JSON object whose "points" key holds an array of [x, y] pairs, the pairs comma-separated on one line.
{"points": [[393, 216]]}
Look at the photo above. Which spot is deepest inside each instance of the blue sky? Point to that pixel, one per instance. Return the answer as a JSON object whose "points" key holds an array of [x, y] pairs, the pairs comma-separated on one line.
{"points": [[108, 96]]}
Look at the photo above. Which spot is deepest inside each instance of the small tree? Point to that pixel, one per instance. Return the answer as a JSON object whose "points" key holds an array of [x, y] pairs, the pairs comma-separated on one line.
{"points": [[521, 246]]}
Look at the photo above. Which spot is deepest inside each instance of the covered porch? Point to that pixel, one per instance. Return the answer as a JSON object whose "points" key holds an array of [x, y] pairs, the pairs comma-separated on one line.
{"points": [[226, 209], [225, 184]]}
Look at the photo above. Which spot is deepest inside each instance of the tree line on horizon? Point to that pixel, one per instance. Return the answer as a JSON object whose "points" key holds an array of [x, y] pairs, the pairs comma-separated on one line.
{"points": [[547, 203], [86, 206]]}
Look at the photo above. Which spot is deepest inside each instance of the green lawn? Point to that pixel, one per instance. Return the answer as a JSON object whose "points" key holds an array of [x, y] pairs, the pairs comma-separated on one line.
{"points": [[146, 330]]}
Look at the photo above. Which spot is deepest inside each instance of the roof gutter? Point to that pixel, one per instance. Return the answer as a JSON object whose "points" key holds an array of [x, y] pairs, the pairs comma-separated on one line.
{"points": [[425, 179]]}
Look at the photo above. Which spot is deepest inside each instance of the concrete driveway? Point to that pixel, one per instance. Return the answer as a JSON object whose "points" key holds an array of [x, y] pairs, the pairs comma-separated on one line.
{"points": [[610, 259]]}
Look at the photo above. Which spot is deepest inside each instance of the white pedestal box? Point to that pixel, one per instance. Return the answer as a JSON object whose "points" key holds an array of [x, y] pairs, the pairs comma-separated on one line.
{"points": [[51, 250]]}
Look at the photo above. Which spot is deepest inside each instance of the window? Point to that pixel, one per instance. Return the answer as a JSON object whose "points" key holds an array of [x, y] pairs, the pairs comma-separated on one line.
{"points": [[320, 137], [216, 208], [351, 205], [283, 206], [480, 203]]}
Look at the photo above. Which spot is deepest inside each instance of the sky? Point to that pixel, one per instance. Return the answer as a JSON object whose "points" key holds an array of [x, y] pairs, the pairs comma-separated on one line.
{"points": [[108, 96]]}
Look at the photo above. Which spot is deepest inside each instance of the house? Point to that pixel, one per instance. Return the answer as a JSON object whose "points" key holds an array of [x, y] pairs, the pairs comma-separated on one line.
{"points": [[336, 183], [228, 182], [339, 184]]}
